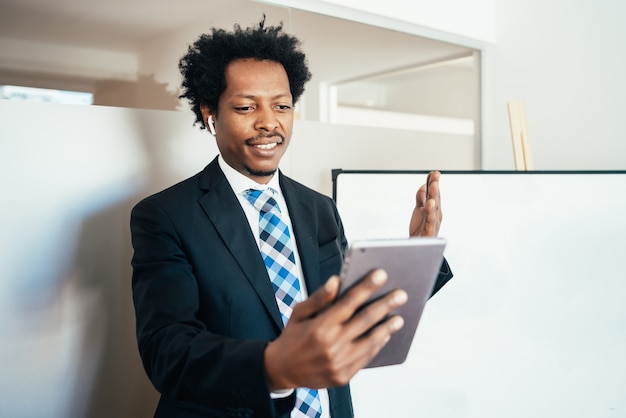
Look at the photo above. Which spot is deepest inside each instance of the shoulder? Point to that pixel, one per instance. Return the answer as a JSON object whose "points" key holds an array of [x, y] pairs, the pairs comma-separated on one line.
{"points": [[308, 203], [188, 190], [178, 192], [289, 185]]}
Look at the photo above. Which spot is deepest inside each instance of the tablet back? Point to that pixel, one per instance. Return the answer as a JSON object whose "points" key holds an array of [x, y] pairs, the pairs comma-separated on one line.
{"points": [[411, 264]]}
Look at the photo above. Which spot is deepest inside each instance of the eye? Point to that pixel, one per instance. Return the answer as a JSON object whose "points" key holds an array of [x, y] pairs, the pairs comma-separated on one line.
{"points": [[244, 108], [284, 107]]}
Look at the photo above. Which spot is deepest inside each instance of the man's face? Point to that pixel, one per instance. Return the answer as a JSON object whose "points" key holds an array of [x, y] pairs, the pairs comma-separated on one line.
{"points": [[255, 117]]}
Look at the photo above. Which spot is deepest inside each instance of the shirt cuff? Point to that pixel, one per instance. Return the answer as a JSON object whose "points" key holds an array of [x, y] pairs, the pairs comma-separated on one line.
{"points": [[279, 394]]}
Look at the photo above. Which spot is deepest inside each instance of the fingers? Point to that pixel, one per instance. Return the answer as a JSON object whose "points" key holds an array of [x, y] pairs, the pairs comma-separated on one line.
{"points": [[324, 343], [434, 215], [364, 329], [358, 319], [366, 347], [432, 185], [427, 216], [348, 304], [319, 300], [378, 337], [420, 196], [433, 221], [365, 322], [430, 190]]}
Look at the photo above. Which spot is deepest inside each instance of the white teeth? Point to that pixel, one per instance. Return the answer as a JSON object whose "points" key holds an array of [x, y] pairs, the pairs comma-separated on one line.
{"points": [[266, 146]]}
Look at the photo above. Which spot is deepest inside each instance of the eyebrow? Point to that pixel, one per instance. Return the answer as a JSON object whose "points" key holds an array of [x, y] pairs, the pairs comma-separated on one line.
{"points": [[252, 96]]}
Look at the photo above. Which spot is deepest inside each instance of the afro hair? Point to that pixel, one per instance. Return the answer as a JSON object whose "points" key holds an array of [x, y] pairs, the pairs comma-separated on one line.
{"points": [[203, 67]]}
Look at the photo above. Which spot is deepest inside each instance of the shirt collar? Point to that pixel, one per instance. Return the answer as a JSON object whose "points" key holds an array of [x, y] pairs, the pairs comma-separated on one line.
{"points": [[240, 183]]}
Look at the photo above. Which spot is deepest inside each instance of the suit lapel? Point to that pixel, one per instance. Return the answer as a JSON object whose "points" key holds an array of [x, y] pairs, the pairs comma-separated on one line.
{"points": [[304, 223], [224, 211]]}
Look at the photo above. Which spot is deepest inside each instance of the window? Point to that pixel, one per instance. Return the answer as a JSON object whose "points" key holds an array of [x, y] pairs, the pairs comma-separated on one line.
{"points": [[45, 95]]}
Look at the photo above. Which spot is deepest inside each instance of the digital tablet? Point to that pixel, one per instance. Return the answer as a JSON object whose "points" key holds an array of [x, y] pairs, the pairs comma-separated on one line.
{"points": [[411, 264]]}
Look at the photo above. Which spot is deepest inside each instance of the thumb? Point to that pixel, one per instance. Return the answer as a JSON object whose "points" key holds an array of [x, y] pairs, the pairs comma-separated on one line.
{"points": [[319, 300]]}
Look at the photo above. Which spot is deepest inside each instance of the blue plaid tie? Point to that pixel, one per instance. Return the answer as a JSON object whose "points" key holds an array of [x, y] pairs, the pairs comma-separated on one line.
{"points": [[275, 246]]}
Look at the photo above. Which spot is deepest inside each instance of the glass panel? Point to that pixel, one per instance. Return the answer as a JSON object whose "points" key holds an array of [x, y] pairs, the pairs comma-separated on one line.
{"points": [[45, 95]]}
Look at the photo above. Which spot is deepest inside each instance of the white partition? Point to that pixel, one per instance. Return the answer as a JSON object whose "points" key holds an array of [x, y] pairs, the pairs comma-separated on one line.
{"points": [[534, 322], [68, 178]]}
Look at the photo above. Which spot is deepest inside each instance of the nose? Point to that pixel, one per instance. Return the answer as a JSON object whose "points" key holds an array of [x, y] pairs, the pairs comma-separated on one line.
{"points": [[266, 119]]}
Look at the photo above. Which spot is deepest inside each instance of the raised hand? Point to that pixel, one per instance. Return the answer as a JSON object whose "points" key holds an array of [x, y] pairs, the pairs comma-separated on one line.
{"points": [[427, 215]]}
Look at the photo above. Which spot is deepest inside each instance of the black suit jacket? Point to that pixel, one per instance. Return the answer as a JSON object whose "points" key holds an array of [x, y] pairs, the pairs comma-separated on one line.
{"points": [[204, 304]]}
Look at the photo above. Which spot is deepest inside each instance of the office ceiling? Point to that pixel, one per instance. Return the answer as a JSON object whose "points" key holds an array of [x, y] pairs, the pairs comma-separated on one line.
{"points": [[107, 24], [122, 25], [126, 25]]}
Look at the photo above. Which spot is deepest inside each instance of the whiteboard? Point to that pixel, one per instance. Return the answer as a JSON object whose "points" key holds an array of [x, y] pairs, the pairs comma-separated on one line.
{"points": [[534, 321]]}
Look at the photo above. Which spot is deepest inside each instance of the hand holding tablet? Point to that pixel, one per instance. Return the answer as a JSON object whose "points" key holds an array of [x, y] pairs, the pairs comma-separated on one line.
{"points": [[412, 264]]}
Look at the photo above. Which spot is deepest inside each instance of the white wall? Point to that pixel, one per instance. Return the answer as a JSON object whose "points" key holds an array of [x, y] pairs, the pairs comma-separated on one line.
{"points": [[49, 65], [566, 61], [449, 91], [563, 59], [66, 60]]}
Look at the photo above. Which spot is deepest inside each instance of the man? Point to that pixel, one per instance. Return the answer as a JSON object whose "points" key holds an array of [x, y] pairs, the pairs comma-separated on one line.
{"points": [[216, 336]]}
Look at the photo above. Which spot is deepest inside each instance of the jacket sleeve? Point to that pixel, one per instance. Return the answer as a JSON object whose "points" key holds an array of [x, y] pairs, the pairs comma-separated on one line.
{"points": [[445, 274], [185, 361]]}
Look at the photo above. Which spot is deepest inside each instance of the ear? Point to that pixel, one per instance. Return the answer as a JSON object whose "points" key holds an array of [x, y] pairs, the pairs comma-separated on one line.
{"points": [[206, 112]]}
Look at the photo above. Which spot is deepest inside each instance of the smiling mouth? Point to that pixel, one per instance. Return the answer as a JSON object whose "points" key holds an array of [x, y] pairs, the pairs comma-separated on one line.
{"points": [[266, 146], [260, 142]]}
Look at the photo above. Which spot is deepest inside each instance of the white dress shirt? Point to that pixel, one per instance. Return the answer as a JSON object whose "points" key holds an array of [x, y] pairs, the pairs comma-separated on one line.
{"points": [[240, 184]]}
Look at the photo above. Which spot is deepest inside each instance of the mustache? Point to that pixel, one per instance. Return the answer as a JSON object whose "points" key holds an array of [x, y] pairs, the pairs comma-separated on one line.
{"points": [[260, 137]]}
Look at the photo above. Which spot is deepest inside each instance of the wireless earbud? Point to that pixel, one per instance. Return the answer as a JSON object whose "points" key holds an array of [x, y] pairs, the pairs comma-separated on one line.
{"points": [[209, 122]]}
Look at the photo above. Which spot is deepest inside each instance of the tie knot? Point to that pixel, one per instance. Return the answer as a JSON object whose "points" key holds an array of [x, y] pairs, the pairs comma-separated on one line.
{"points": [[263, 200]]}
